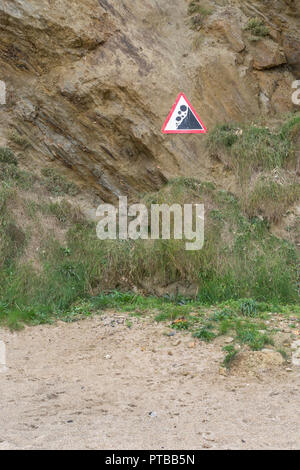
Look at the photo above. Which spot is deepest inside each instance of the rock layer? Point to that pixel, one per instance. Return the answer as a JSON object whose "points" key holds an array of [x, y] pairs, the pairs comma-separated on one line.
{"points": [[90, 82]]}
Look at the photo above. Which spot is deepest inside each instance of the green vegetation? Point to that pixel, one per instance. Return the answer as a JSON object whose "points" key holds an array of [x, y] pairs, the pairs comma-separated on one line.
{"points": [[262, 159], [248, 333], [19, 140], [257, 28], [197, 14], [231, 353], [253, 263], [241, 259], [248, 308], [57, 184], [204, 333], [65, 212], [251, 148], [7, 156], [272, 199], [10, 174]]}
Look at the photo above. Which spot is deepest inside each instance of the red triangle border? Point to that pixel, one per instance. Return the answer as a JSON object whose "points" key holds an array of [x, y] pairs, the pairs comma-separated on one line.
{"points": [[191, 131]]}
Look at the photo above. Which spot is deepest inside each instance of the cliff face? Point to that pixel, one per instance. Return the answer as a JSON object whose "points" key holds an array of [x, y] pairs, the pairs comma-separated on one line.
{"points": [[90, 82]]}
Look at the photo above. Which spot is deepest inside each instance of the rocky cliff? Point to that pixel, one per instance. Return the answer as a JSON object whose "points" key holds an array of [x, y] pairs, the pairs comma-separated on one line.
{"points": [[90, 82]]}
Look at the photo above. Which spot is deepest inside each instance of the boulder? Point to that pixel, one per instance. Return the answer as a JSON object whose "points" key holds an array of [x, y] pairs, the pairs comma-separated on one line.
{"points": [[291, 47], [267, 54]]}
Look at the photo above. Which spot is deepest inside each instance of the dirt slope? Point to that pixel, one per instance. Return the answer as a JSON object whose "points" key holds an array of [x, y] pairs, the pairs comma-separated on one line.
{"points": [[91, 385]]}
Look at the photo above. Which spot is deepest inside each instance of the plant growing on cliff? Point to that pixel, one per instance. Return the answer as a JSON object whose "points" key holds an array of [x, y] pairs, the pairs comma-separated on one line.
{"points": [[19, 140], [251, 148], [272, 199], [197, 14], [7, 156], [257, 28], [57, 184]]}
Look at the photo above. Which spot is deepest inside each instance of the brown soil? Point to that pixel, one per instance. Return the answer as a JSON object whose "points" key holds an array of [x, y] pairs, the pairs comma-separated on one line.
{"points": [[92, 385]]}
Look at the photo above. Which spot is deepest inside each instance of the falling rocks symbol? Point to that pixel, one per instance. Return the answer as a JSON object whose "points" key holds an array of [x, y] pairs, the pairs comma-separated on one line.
{"points": [[183, 119]]}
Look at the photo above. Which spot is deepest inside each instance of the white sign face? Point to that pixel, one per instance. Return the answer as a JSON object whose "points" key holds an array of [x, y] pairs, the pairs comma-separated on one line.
{"points": [[2, 92], [183, 119]]}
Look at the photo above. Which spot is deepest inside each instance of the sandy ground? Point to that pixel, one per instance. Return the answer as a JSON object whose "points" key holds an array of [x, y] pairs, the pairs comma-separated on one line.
{"points": [[92, 385]]}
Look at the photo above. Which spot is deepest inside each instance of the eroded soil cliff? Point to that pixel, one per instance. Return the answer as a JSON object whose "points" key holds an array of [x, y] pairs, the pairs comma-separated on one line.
{"points": [[89, 83]]}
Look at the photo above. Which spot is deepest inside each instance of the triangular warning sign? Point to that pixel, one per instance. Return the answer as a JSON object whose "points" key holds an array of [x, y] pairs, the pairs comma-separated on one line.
{"points": [[183, 119]]}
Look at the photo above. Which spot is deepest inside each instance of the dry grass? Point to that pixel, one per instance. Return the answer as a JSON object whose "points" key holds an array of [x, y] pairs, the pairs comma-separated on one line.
{"points": [[271, 199]]}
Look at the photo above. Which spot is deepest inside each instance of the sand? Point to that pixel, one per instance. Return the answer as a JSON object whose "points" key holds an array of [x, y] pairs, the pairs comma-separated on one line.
{"points": [[98, 384]]}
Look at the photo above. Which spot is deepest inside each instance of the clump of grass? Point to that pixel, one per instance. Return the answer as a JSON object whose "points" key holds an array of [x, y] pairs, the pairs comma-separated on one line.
{"points": [[231, 353], [60, 210], [78, 311], [204, 333], [291, 128], [223, 136], [7, 156], [10, 174], [248, 333], [224, 314], [248, 308], [272, 199], [195, 7], [257, 28], [32, 208], [197, 14], [12, 237], [57, 184], [19, 140], [251, 148]]}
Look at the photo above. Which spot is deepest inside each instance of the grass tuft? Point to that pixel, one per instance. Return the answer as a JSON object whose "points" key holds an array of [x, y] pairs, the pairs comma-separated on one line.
{"points": [[7, 156], [19, 140], [57, 184], [231, 353], [251, 148], [272, 199], [197, 14], [257, 28]]}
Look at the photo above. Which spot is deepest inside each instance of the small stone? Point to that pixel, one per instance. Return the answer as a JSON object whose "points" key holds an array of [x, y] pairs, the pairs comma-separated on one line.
{"points": [[295, 345], [289, 369], [229, 340], [152, 414], [206, 446], [176, 343], [170, 353], [192, 344], [108, 356], [223, 371], [296, 358]]}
